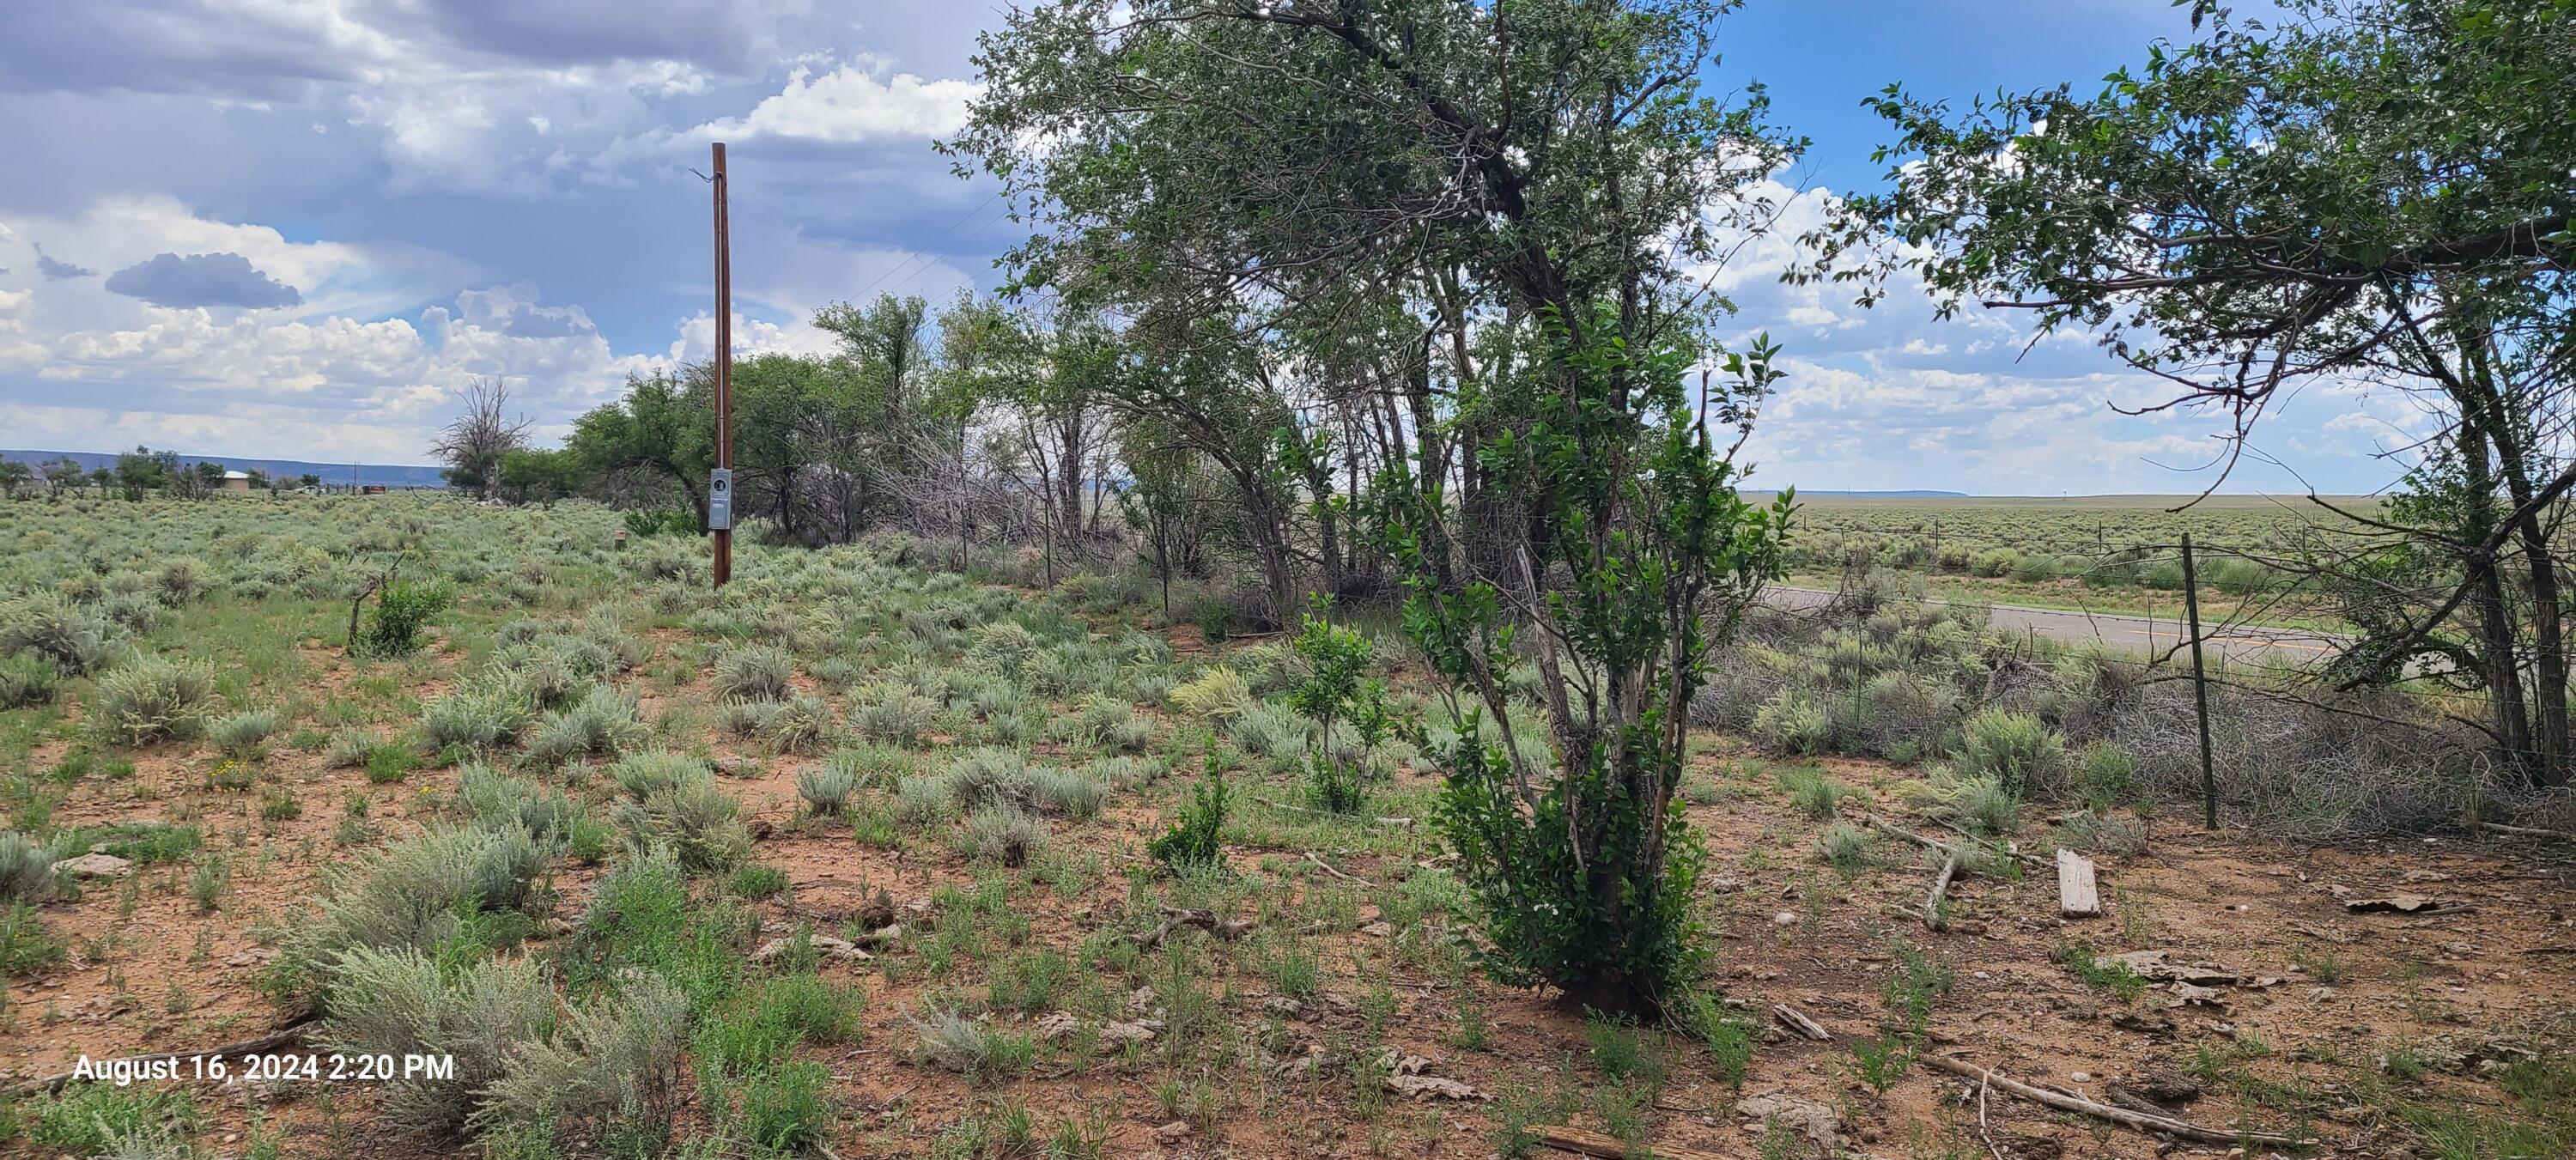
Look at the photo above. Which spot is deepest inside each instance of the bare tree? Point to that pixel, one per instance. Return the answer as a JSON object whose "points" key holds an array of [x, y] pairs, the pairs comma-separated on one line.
{"points": [[472, 446]]}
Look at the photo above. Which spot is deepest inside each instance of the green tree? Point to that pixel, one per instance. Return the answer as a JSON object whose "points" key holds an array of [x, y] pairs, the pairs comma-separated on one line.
{"points": [[143, 469], [1338, 693], [1548, 169], [63, 473], [662, 432], [2374, 193], [532, 476]]}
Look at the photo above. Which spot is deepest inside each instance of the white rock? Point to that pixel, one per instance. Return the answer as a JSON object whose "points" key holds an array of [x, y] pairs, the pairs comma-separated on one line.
{"points": [[94, 866]]}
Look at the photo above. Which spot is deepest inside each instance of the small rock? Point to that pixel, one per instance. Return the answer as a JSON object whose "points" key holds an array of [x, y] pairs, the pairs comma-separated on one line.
{"points": [[1377, 930], [2080, 1077], [1172, 1132], [94, 866], [1428, 1086], [1114, 1037], [1813, 1120], [1785, 918]]}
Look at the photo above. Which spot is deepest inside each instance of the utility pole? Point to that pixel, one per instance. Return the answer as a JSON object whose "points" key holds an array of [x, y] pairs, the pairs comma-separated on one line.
{"points": [[720, 484]]}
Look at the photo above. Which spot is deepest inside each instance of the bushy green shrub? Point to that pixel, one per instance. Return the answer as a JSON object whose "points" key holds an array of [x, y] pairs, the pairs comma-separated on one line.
{"points": [[1979, 803], [1275, 732], [244, 735], [1794, 720], [490, 798], [1815, 794], [826, 790], [152, 698], [417, 894], [2106, 776], [1004, 834], [869, 764], [1110, 724], [982, 777], [602, 723], [801, 724], [56, 629], [1218, 693], [893, 715], [483, 713], [752, 673], [1070, 793], [1002, 647], [617, 1056], [28, 679], [694, 818], [402, 609], [924, 799], [26, 868], [180, 580], [2018, 750], [100, 1120], [401, 1002], [1196, 838]]}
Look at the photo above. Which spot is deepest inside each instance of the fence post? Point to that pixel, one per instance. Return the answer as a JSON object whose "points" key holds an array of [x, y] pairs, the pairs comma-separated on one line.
{"points": [[2199, 687]]}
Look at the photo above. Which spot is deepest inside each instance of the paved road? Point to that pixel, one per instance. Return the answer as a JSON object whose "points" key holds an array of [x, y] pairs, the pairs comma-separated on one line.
{"points": [[2264, 646]]}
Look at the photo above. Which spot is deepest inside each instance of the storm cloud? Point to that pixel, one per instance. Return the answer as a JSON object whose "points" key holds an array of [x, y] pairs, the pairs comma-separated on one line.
{"points": [[202, 280], [56, 270]]}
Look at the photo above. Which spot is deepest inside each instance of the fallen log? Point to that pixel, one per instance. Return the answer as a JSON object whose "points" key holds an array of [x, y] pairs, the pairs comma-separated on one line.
{"points": [[2126, 1117], [1583, 1143], [284, 1036]]}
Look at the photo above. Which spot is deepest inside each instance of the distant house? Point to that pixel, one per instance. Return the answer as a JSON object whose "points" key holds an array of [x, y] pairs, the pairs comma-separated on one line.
{"points": [[236, 481]]}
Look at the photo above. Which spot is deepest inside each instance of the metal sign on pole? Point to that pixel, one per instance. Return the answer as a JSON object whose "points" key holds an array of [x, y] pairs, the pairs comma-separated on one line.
{"points": [[720, 481]]}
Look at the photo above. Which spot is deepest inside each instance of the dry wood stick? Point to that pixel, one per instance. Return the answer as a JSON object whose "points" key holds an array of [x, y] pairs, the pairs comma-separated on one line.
{"points": [[1797, 1021], [1583, 1143], [2141, 1121], [2526, 831], [1932, 916], [1328, 868]]}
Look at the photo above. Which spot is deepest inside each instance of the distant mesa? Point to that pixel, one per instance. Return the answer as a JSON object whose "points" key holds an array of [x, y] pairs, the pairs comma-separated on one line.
{"points": [[1910, 493], [340, 474]]}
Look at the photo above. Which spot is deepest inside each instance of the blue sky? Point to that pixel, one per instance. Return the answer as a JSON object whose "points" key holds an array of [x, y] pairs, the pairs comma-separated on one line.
{"points": [[295, 229]]}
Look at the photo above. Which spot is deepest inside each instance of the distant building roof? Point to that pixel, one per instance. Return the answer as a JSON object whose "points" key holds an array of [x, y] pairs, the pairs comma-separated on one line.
{"points": [[237, 475]]}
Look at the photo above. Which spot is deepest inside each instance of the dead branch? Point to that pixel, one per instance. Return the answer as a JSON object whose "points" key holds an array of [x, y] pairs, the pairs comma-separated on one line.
{"points": [[1328, 868], [1932, 916], [1228, 929], [2526, 832], [2126, 1117], [1583, 1143]]}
